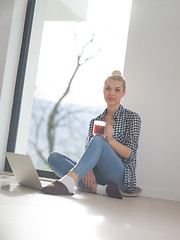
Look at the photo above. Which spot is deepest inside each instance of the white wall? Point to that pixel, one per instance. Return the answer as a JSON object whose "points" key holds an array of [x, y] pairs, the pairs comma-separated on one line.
{"points": [[6, 9], [12, 15], [152, 72], [66, 10]]}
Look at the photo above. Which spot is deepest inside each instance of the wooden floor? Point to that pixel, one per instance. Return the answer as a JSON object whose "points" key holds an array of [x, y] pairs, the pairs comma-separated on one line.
{"points": [[27, 214]]}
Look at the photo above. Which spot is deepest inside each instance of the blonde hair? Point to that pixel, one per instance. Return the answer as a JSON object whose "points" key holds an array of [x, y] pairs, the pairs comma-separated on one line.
{"points": [[116, 75]]}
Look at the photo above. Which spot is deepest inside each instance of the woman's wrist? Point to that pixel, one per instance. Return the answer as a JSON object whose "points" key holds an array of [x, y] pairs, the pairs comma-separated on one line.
{"points": [[110, 140], [119, 148]]}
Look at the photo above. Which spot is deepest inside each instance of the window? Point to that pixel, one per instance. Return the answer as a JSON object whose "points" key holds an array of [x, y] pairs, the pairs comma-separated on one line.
{"points": [[69, 59]]}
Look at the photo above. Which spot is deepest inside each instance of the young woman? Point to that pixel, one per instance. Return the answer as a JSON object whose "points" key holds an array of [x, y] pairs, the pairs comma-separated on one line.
{"points": [[108, 164]]}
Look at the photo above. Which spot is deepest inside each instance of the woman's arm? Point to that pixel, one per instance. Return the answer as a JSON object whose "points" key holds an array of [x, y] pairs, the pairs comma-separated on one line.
{"points": [[90, 133], [119, 148], [131, 144]]}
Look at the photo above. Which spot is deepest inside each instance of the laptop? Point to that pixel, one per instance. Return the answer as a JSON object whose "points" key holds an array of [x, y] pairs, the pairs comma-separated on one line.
{"points": [[24, 170]]}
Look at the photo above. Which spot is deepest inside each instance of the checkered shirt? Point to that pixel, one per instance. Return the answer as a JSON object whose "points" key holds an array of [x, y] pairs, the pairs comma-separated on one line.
{"points": [[127, 125]]}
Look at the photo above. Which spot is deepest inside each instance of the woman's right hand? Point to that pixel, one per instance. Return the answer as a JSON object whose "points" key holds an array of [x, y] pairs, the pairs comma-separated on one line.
{"points": [[89, 179]]}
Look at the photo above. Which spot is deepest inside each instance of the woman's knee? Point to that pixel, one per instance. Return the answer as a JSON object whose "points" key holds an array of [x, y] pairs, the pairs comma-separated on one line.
{"points": [[53, 158], [98, 139]]}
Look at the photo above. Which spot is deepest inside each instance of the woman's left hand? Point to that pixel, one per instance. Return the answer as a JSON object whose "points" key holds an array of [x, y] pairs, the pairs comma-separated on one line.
{"points": [[89, 179], [109, 131]]}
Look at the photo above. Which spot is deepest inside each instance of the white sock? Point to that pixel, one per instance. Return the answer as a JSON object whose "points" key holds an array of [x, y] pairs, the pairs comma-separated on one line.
{"points": [[68, 182], [101, 190]]}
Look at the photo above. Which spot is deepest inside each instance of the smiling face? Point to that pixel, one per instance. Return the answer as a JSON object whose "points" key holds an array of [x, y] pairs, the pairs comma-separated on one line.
{"points": [[113, 92]]}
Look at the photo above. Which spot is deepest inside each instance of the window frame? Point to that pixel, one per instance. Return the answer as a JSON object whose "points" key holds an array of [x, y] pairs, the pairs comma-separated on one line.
{"points": [[19, 87]]}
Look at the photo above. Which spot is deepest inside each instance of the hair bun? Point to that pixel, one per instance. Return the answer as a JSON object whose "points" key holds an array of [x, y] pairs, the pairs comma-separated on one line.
{"points": [[116, 72]]}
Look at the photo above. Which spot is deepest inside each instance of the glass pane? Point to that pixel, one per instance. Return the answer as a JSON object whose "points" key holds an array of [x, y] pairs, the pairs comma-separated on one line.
{"points": [[75, 59]]}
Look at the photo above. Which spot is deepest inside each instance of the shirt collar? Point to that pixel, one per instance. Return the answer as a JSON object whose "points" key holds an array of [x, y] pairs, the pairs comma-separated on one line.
{"points": [[117, 113], [103, 114]]}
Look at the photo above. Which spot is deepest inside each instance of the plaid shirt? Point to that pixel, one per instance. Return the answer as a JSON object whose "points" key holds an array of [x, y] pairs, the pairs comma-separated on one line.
{"points": [[127, 125]]}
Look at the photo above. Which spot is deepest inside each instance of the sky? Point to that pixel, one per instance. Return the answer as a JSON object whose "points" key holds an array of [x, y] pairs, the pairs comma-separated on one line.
{"points": [[108, 20]]}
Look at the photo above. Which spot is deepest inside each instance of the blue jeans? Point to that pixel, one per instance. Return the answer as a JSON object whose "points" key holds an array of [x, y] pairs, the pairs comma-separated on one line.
{"points": [[99, 156]]}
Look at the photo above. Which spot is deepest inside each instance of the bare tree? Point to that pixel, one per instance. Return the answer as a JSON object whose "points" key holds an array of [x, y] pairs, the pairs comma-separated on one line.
{"points": [[52, 122], [54, 117]]}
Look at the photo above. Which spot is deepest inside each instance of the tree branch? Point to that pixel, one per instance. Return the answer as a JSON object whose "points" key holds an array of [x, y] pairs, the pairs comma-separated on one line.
{"points": [[51, 122]]}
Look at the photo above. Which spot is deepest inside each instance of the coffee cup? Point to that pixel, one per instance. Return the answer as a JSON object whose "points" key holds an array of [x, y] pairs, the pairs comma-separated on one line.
{"points": [[99, 128]]}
